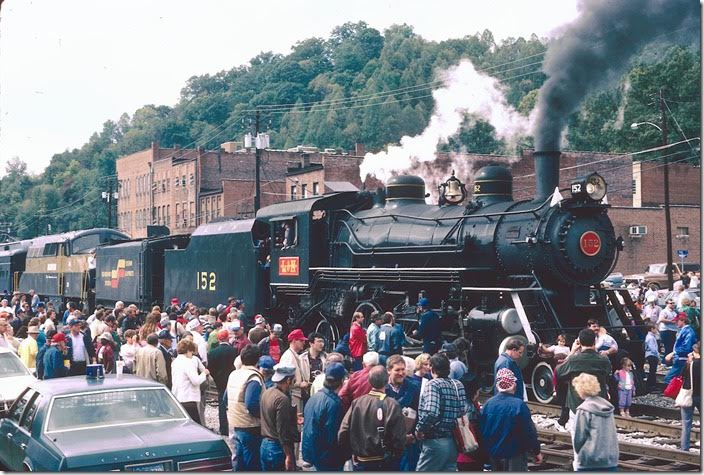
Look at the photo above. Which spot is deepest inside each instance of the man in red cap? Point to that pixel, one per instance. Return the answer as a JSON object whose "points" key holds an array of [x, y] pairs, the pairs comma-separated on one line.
{"points": [[54, 358], [291, 357], [686, 338], [221, 362]]}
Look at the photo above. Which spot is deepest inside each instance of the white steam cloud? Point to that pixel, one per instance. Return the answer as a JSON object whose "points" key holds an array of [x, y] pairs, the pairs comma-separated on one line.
{"points": [[466, 92]]}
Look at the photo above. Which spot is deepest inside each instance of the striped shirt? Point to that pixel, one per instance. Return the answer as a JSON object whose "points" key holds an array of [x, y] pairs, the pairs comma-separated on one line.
{"points": [[443, 400]]}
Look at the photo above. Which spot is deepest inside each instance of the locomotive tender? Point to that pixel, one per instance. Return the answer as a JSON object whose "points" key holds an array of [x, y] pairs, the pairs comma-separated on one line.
{"points": [[493, 268]]}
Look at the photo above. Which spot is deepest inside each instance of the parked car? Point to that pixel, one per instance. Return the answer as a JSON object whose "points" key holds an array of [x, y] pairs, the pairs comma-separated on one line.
{"points": [[121, 422], [665, 295], [615, 280], [14, 377], [657, 274]]}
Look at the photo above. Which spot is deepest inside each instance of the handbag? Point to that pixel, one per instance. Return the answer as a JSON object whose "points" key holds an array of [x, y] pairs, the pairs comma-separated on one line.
{"points": [[464, 436], [673, 388], [684, 397]]}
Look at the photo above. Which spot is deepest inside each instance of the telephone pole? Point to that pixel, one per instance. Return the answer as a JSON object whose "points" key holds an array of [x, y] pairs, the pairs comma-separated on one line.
{"points": [[257, 164], [666, 173], [109, 196]]}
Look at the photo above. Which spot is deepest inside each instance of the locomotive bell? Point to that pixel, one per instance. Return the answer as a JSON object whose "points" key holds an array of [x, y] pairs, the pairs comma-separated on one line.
{"points": [[452, 192]]}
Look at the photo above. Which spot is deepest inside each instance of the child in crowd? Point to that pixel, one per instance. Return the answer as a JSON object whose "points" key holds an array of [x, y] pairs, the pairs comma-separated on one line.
{"points": [[559, 351], [652, 354], [626, 386]]}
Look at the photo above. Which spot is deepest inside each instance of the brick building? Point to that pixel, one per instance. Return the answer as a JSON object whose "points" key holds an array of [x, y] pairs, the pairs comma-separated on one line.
{"points": [[183, 188]]}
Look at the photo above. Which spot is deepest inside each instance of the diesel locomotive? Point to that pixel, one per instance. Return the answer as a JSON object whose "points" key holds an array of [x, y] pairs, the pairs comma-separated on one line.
{"points": [[492, 267]]}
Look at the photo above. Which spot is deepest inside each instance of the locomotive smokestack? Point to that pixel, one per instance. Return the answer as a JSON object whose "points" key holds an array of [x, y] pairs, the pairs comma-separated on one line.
{"points": [[547, 174]]}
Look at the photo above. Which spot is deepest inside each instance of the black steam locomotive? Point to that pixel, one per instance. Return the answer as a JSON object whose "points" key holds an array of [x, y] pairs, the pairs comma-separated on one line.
{"points": [[492, 267]]}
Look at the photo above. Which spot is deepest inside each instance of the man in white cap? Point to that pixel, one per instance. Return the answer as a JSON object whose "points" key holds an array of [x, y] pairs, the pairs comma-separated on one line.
{"points": [[507, 427], [239, 339], [651, 311], [28, 348], [195, 326], [278, 420], [258, 331]]}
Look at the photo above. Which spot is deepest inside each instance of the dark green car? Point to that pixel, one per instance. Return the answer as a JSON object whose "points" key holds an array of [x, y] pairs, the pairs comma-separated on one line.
{"points": [[121, 423]]}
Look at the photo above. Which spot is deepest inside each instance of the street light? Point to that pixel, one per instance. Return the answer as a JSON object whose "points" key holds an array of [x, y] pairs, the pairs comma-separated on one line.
{"points": [[635, 125], [666, 187]]}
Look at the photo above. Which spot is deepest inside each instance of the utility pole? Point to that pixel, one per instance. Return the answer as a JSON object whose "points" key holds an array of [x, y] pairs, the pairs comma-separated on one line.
{"points": [[109, 197], [666, 169], [257, 164]]}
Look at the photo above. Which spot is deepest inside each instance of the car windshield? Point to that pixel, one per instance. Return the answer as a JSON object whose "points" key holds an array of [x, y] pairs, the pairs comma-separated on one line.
{"points": [[11, 365], [656, 268], [82, 411]]}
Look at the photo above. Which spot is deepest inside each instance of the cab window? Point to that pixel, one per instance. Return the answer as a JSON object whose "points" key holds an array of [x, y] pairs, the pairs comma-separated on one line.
{"points": [[286, 234], [51, 249], [84, 244]]}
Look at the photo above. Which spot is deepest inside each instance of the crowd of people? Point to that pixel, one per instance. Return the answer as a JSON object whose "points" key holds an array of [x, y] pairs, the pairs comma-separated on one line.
{"points": [[282, 397]]}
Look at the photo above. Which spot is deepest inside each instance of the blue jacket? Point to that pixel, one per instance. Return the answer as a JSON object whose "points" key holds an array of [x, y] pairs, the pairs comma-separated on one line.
{"points": [[408, 394], [507, 427], [322, 417], [686, 338], [392, 341], [40, 361], [505, 361], [54, 364], [429, 330]]}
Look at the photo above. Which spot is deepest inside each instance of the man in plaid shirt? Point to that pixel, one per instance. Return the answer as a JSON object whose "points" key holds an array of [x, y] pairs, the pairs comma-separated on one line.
{"points": [[443, 400]]}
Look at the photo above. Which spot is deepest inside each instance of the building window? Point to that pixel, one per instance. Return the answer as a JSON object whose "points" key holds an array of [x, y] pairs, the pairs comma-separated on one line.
{"points": [[192, 209], [293, 192], [635, 186], [207, 210], [682, 231], [178, 216], [176, 182], [183, 180], [158, 216], [191, 179], [304, 191], [168, 215], [219, 203], [316, 191]]}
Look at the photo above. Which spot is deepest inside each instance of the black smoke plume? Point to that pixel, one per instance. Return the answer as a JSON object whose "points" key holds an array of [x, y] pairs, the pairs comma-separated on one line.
{"points": [[596, 49]]}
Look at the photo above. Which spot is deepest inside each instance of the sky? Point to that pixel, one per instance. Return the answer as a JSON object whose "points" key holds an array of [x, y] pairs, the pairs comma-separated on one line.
{"points": [[69, 66]]}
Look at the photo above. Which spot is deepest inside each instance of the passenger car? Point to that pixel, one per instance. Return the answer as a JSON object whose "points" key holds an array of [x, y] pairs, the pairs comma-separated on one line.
{"points": [[14, 377], [116, 423]]}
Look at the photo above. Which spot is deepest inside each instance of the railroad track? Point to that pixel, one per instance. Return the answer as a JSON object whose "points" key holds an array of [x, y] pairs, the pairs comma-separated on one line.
{"points": [[626, 424], [557, 451]]}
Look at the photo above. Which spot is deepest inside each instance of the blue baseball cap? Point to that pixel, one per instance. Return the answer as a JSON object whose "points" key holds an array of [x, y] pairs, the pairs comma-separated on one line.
{"points": [[422, 302], [266, 362], [335, 371]]}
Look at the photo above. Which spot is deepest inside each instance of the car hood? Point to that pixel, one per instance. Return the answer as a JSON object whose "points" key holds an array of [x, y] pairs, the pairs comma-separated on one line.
{"points": [[136, 443], [11, 387]]}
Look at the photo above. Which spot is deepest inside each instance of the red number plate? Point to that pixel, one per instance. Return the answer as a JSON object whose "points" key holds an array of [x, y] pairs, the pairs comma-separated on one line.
{"points": [[590, 243]]}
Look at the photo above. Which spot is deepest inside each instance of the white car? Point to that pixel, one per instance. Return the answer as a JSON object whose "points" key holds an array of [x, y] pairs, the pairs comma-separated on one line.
{"points": [[14, 378]]}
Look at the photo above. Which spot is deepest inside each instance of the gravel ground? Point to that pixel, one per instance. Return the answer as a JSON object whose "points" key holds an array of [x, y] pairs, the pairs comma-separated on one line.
{"points": [[545, 422]]}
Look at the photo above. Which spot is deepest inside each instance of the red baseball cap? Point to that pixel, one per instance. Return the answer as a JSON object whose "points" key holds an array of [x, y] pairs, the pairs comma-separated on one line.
{"points": [[59, 337], [223, 335], [682, 316], [296, 334]]}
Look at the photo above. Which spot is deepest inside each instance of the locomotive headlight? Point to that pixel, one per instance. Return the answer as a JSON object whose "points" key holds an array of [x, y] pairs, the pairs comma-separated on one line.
{"points": [[592, 186]]}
